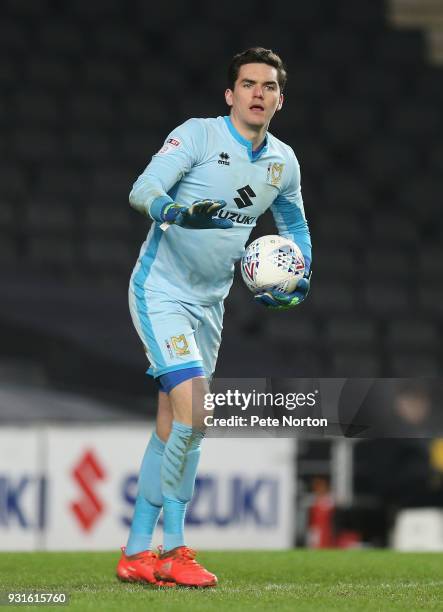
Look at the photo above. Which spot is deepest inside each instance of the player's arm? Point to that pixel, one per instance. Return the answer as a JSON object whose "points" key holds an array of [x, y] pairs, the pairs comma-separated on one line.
{"points": [[182, 149], [290, 219]]}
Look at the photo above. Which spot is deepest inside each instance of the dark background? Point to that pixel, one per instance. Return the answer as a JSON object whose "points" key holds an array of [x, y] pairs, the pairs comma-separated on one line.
{"points": [[89, 91]]}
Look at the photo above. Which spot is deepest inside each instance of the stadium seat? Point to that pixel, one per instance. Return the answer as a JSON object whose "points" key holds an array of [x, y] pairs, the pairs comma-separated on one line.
{"points": [[360, 16], [431, 263], [8, 250], [36, 107], [99, 220], [391, 264], [436, 158], [332, 297], [413, 334], [12, 182], [333, 261], [65, 184], [49, 72], [420, 193], [429, 83], [313, 83], [7, 217], [113, 182], [352, 332], [95, 11], [86, 109], [413, 364], [53, 253], [346, 123], [337, 48], [112, 256], [431, 299], [36, 144], [375, 84], [344, 229], [302, 332], [110, 74], [14, 36], [25, 9], [403, 49], [389, 160], [139, 114], [48, 217], [156, 20], [345, 193], [416, 121], [357, 363], [117, 41], [8, 76], [392, 229], [60, 38], [88, 145], [389, 300]]}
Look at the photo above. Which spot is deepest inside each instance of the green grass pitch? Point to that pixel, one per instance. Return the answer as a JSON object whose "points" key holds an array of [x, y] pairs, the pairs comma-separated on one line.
{"points": [[278, 580]]}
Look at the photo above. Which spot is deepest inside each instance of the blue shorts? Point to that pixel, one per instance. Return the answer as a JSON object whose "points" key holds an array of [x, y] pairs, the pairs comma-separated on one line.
{"points": [[176, 335]]}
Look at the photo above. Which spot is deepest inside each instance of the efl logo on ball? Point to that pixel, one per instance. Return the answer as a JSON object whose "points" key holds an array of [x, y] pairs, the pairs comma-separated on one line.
{"points": [[272, 262]]}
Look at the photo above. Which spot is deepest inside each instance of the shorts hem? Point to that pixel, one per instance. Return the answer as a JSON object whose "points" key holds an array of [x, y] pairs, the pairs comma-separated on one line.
{"points": [[174, 368]]}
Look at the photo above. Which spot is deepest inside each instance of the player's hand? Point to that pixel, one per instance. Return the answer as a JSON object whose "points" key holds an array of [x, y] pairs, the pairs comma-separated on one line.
{"points": [[277, 300], [200, 215]]}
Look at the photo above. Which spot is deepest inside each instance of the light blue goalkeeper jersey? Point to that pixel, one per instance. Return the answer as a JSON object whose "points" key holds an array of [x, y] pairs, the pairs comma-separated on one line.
{"points": [[209, 159]]}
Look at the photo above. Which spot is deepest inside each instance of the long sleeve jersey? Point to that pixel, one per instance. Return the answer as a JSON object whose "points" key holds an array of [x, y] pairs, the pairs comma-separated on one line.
{"points": [[210, 159]]}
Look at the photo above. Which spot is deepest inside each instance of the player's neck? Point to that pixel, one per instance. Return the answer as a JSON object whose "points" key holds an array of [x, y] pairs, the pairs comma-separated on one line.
{"points": [[255, 135]]}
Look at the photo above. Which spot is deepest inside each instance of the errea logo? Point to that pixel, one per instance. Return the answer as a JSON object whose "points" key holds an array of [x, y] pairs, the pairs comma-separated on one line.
{"points": [[224, 159]]}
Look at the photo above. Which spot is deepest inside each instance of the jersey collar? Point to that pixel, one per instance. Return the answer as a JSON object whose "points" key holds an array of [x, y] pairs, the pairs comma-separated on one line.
{"points": [[253, 155]]}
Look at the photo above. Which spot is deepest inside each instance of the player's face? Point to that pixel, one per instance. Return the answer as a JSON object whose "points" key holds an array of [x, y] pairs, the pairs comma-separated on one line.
{"points": [[256, 95]]}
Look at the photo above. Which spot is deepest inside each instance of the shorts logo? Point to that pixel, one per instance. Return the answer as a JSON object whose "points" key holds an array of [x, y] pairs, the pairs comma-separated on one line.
{"points": [[274, 174], [169, 347], [180, 345]]}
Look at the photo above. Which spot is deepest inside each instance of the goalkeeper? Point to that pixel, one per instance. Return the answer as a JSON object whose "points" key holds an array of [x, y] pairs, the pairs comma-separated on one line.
{"points": [[203, 190]]}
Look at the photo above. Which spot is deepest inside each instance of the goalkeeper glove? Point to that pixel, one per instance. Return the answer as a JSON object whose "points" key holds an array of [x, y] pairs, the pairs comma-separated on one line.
{"points": [[198, 216], [277, 300]]}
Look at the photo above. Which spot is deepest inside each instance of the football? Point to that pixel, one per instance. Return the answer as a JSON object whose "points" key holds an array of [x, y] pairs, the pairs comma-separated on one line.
{"points": [[272, 262]]}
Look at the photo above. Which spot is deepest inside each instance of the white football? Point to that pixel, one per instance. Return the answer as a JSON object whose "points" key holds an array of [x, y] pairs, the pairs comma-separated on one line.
{"points": [[272, 262]]}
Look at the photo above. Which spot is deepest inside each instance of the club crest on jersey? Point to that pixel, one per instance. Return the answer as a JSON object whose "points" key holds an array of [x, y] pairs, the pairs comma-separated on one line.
{"points": [[274, 175], [180, 345]]}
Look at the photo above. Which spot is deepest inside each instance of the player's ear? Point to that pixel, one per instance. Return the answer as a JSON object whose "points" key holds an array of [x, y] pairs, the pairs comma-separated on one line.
{"points": [[280, 102], [228, 97]]}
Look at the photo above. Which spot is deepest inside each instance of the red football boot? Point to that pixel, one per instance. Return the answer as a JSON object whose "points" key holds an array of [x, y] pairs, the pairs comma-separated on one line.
{"points": [[139, 568], [178, 565]]}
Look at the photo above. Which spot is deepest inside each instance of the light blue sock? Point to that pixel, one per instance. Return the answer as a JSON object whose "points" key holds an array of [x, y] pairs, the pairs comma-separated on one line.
{"points": [[149, 498], [178, 471]]}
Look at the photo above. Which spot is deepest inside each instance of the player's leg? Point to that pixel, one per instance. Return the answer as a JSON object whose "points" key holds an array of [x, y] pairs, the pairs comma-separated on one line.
{"points": [[179, 468], [181, 456], [149, 494], [137, 561]]}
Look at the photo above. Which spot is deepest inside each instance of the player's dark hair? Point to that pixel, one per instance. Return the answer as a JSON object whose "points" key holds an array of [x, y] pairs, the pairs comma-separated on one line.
{"points": [[256, 55]]}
